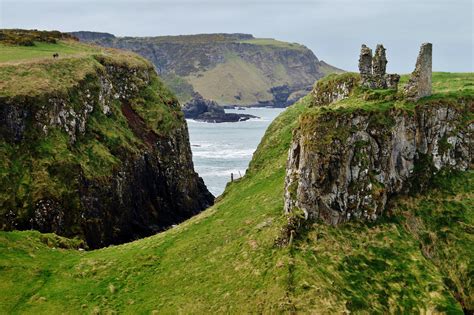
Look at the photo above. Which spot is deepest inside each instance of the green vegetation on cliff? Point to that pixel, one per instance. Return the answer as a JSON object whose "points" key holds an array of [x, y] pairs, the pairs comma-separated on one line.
{"points": [[226, 259], [42, 166], [84, 140]]}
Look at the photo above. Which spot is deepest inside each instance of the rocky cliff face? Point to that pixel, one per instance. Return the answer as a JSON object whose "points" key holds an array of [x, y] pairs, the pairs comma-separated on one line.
{"points": [[231, 69], [106, 159], [346, 164]]}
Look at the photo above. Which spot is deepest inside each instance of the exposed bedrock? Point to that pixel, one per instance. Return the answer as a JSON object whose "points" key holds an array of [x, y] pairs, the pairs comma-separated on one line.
{"points": [[344, 166]]}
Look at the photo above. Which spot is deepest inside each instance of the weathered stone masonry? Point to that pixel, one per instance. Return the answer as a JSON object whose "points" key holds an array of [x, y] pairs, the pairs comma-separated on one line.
{"points": [[420, 82], [373, 72], [373, 69]]}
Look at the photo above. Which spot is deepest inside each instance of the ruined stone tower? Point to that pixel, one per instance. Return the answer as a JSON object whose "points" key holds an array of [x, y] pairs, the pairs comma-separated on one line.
{"points": [[379, 62], [419, 84], [365, 61], [372, 69]]}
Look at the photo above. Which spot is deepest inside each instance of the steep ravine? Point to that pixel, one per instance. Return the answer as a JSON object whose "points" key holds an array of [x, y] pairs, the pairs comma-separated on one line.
{"points": [[106, 158]]}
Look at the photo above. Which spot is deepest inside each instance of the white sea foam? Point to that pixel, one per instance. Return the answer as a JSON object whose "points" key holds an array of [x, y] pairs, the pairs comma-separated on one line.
{"points": [[222, 172], [223, 154], [225, 148]]}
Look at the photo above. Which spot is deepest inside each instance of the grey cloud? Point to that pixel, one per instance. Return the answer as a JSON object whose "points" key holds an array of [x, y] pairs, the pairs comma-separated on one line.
{"points": [[333, 29]]}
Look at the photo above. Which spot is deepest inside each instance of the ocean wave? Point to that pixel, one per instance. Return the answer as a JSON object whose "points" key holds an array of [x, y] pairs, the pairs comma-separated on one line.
{"points": [[225, 148], [194, 121], [221, 173], [257, 119], [223, 154]]}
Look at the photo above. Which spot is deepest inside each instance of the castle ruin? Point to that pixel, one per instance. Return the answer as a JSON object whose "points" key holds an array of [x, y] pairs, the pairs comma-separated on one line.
{"points": [[419, 84], [373, 69]]}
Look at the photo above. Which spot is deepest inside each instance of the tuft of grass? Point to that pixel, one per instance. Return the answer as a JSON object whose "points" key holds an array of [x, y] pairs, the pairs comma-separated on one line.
{"points": [[158, 107], [442, 222]]}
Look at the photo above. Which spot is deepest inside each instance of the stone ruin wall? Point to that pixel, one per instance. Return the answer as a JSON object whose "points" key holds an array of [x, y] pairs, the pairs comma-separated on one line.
{"points": [[373, 69], [419, 84], [373, 74]]}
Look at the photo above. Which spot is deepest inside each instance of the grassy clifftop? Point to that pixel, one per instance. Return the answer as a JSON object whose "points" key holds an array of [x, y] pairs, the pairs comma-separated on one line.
{"points": [[226, 258], [32, 70], [31, 78]]}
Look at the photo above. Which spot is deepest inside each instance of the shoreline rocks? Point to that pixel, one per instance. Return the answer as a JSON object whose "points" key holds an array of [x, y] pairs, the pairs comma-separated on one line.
{"points": [[209, 111]]}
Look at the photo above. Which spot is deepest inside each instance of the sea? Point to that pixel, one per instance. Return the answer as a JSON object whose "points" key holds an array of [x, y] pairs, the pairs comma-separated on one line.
{"points": [[220, 149]]}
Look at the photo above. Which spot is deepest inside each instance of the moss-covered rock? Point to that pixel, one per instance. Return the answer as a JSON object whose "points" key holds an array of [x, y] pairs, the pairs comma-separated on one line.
{"points": [[349, 161], [334, 88], [104, 155]]}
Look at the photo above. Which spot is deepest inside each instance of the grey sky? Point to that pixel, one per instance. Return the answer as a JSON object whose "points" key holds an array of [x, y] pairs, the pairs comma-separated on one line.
{"points": [[333, 29]]}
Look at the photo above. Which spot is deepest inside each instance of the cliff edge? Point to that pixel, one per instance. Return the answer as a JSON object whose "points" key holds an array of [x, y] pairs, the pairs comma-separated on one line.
{"points": [[92, 145]]}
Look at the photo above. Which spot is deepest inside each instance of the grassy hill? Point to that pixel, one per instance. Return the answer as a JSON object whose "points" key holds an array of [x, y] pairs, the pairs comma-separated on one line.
{"points": [[226, 259], [231, 69]]}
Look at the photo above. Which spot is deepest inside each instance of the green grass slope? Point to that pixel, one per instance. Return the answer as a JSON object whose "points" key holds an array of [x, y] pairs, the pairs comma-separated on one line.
{"points": [[226, 259]]}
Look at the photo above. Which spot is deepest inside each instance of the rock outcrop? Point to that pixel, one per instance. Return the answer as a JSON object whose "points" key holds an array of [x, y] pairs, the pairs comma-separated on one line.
{"points": [[231, 69], [334, 88], [201, 109], [106, 159], [419, 84], [373, 69], [344, 166]]}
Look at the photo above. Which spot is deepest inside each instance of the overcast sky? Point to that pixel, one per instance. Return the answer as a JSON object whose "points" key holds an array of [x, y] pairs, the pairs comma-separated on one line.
{"points": [[333, 29]]}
